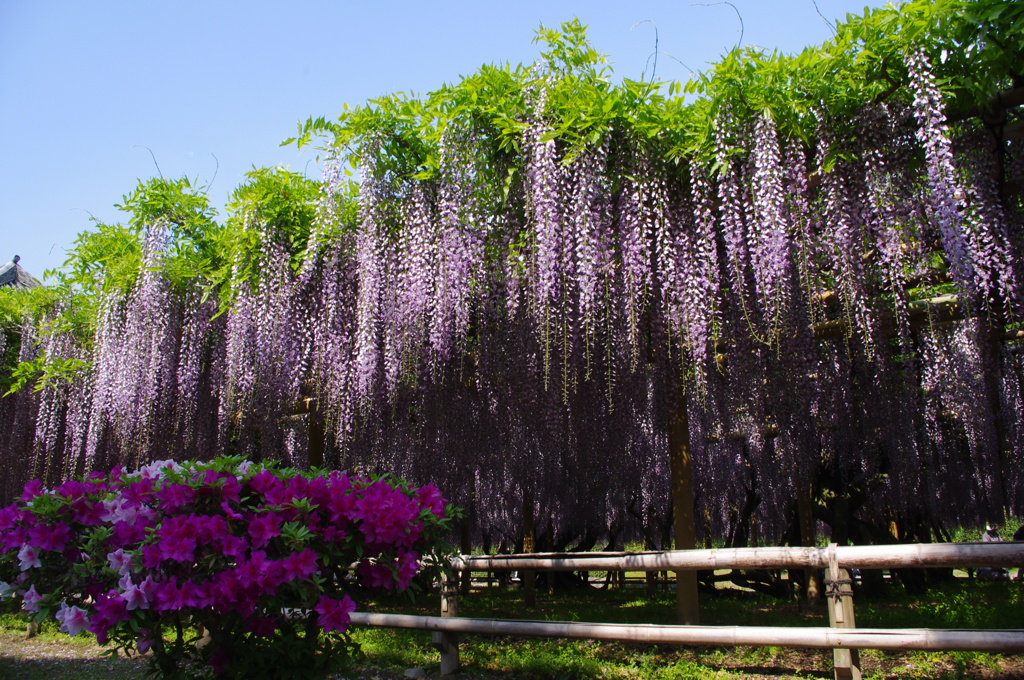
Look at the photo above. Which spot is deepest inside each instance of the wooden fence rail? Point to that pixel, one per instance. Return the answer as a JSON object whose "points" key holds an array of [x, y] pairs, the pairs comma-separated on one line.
{"points": [[819, 638], [842, 636], [850, 557]]}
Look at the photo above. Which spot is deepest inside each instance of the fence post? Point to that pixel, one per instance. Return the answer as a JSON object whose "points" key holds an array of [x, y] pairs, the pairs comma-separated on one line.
{"points": [[448, 643], [839, 598], [528, 577]]}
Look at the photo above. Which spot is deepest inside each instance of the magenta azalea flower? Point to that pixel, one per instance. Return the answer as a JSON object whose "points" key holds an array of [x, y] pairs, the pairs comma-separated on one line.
{"points": [[89, 513], [333, 534], [138, 492], [151, 556], [110, 609], [265, 482], [144, 644], [9, 517], [194, 595], [73, 489], [30, 600], [159, 549], [376, 575], [233, 546], [120, 510], [174, 496], [168, 597], [299, 565], [229, 512], [177, 548], [13, 538], [134, 597], [430, 498], [408, 565], [334, 614], [262, 626], [226, 485], [28, 557], [112, 606], [131, 532], [73, 620], [252, 572], [316, 490], [264, 528], [119, 561], [53, 537], [388, 515], [31, 490], [224, 591]]}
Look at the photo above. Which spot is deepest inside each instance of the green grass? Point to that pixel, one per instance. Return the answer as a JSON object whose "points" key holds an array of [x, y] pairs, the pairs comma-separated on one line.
{"points": [[387, 653], [959, 604], [52, 655]]}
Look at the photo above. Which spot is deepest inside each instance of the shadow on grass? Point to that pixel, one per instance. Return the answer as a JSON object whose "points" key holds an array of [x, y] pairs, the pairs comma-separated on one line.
{"points": [[14, 668]]}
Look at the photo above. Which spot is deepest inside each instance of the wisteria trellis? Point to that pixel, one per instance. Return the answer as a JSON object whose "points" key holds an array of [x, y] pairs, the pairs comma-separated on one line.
{"points": [[522, 320]]}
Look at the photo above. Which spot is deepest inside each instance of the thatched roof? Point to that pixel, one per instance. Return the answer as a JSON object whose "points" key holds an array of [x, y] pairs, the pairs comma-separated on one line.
{"points": [[12, 274]]}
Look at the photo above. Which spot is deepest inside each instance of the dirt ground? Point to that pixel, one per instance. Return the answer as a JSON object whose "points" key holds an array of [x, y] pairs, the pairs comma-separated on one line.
{"points": [[72, 660]]}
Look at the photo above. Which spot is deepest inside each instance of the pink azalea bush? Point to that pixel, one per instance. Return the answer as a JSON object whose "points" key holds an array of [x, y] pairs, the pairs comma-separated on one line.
{"points": [[261, 559]]}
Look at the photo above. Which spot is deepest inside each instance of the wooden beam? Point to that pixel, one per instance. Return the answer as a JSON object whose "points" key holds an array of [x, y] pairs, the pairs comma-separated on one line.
{"points": [[1013, 131], [1006, 554], [994, 110], [1007, 99], [996, 641], [941, 309], [1012, 187]]}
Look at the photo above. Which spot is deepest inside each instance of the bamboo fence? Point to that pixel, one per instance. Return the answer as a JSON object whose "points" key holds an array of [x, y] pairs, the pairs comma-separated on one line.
{"points": [[842, 636]]}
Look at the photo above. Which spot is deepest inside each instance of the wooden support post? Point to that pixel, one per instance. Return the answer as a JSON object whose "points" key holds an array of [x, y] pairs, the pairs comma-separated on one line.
{"points": [[683, 521], [529, 576], [317, 439], [445, 642], [651, 577], [467, 549], [549, 546], [839, 598], [805, 510], [993, 379]]}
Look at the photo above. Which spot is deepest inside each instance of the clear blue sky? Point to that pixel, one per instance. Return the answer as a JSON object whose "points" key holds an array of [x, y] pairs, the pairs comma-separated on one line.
{"points": [[84, 86]]}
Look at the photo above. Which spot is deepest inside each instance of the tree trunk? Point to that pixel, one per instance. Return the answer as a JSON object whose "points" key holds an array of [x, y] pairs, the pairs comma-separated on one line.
{"points": [[682, 507], [317, 439]]}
